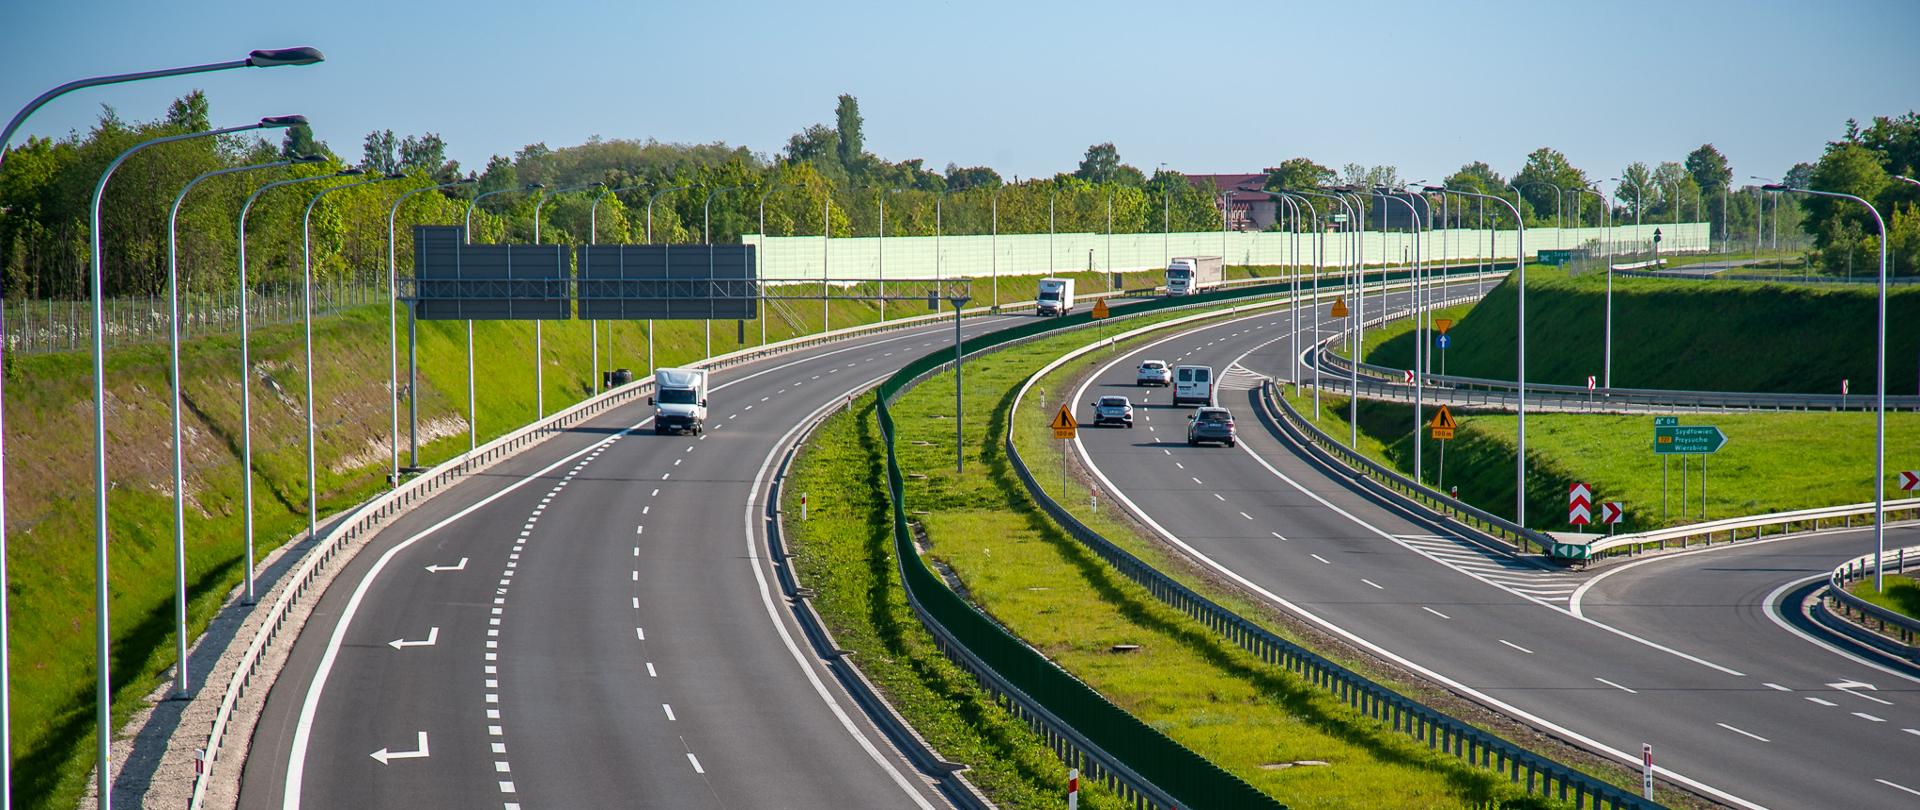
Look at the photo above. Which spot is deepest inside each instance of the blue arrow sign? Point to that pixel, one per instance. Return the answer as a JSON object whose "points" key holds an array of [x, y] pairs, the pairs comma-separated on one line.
{"points": [[1443, 341]]}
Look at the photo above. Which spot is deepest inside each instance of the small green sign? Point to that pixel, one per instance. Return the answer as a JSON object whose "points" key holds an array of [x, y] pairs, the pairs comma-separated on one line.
{"points": [[1570, 551], [1665, 421], [1691, 440]]}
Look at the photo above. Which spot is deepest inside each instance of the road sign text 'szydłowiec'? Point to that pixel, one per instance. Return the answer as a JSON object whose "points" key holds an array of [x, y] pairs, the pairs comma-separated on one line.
{"points": [[1579, 504], [1063, 424]]}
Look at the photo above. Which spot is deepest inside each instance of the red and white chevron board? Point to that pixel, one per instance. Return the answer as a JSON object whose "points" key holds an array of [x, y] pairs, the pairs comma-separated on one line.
{"points": [[1910, 480], [1611, 512], [1409, 376], [1592, 383], [1579, 504]]}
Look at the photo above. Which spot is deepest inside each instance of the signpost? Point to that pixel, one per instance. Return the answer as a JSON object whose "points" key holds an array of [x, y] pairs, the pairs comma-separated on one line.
{"points": [[1670, 438], [1441, 325], [1646, 771], [1340, 307], [1064, 429], [1610, 513], [1100, 311], [1408, 373], [1579, 503], [1909, 480], [1442, 427]]}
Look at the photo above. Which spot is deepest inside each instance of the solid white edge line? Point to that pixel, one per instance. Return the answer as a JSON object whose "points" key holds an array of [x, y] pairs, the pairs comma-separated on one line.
{"points": [[755, 560], [1772, 607], [1485, 699], [303, 728]]}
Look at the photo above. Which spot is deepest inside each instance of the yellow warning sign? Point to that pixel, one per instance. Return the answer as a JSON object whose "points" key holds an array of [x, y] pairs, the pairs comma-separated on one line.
{"points": [[1441, 325], [1063, 424], [1442, 424], [1340, 307], [1100, 309]]}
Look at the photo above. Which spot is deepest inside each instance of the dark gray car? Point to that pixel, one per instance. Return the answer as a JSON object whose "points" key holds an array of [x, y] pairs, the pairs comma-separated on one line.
{"points": [[1210, 425]]}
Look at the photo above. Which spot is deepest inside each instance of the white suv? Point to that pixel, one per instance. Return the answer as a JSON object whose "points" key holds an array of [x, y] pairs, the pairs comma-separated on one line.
{"points": [[1113, 409], [1153, 372]]}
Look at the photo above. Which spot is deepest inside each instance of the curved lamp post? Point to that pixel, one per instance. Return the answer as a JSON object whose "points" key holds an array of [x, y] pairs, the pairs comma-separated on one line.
{"points": [[1606, 365], [539, 352], [262, 58], [1419, 378], [1880, 379], [246, 373], [1520, 283], [103, 692], [182, 679], [706, 233], [759, 258], [466, 234], [413, 343], [881, 244], [668, 255], [306, 305]]}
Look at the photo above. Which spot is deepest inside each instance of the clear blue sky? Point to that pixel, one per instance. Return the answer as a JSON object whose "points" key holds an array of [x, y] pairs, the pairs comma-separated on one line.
{"points": [[1023, 87]]}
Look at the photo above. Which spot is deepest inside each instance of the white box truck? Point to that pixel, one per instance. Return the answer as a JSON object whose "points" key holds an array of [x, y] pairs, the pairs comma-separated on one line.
{"points": [[1056, 296], [1187, 275], [679, 400]]}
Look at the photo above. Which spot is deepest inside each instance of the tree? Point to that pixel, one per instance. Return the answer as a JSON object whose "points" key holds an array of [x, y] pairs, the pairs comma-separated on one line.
{"points": [[1846, 168], [1300, 173], [1100, 164], [851, 146], [500, 174], [972, 177], [813, 144], [1636, 183], [299, 141], [1673, 187], [427, 154], [377, 155], [1476, 177], [1546, 165], [1709, 169], [190, 113], [1800, 176]]}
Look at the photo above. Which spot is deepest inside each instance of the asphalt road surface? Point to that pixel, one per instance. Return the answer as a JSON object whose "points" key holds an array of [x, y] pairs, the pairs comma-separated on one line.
{"points": [[1678, 652], [593, 623]]}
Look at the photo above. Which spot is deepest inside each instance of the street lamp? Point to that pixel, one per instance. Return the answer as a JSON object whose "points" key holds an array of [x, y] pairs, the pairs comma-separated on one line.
{"points": [[667, 255], [103, 693], [306, 301], [1520, 283], [959, 408], [246, 374], [1880, 379], [706, 230], [759, 258], [1606, 367], [182, 680], [473, 416], [539, 353], [1319, 246], [413, 343], [1419, 375], [882, 246], [261, 58]]}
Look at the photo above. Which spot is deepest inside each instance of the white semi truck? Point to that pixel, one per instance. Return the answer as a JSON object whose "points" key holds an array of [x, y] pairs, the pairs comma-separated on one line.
{"points": [[679, 400], [1055, 298], [1187, 275]]}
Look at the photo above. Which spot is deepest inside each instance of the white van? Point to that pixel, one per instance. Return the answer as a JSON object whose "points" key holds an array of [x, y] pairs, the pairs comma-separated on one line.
{"points": [[679, 401], [1192, 384]]}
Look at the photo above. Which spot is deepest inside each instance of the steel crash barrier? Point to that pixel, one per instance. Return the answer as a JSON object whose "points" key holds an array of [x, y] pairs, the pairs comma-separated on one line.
{"points": [[1143, 765], [344, 532], [1438, 730], [1899, 631]]}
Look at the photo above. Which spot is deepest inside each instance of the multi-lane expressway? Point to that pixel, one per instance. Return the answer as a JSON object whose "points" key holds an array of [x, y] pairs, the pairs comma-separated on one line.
{"points": [[1679, 651], [593, 623]]}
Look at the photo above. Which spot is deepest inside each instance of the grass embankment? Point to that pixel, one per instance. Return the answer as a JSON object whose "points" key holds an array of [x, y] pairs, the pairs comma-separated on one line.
{"points": [[1901, 593], [1685, 334], [49, 519], [1259, 722]]}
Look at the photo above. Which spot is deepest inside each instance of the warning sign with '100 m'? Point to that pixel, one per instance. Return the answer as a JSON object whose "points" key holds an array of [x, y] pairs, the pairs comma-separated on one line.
{"points": [[1443, 424], [1063, 424]]}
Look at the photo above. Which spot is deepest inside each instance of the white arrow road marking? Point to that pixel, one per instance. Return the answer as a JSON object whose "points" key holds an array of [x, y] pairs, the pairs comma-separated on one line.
{"points": [[1849, 686], [433, 635], [385, 756], [459, 566]]}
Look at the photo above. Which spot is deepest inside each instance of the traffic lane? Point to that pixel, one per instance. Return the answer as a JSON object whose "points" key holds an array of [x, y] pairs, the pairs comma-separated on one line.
{"points": [[1703, 732], [1717, 600], [267, 765]]}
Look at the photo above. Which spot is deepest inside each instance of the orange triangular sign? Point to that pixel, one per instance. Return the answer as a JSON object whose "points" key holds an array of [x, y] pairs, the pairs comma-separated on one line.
{"points": [[1340, 307], [1100, 309], [1443, 420], [1064, 419], [1441, 325]]}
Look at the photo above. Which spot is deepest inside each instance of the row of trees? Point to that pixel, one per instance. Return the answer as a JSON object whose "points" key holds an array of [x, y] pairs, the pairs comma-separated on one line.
{"points": [[823, 180]]}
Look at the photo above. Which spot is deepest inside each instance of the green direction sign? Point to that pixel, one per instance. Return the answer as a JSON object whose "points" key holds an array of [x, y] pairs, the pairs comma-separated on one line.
{"points": [[1689, 440]]}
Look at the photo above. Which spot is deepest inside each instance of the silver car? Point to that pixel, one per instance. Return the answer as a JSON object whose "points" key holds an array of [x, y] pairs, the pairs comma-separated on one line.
{"points": [[1153, 372], [1115, 409]]}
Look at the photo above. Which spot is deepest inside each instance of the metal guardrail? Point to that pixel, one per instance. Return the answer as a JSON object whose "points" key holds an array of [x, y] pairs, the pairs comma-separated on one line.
{"points": [[1752, 527], [1680, 273], [364, 520], [1644, 398], [1440, 731], [1890, 622]]}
